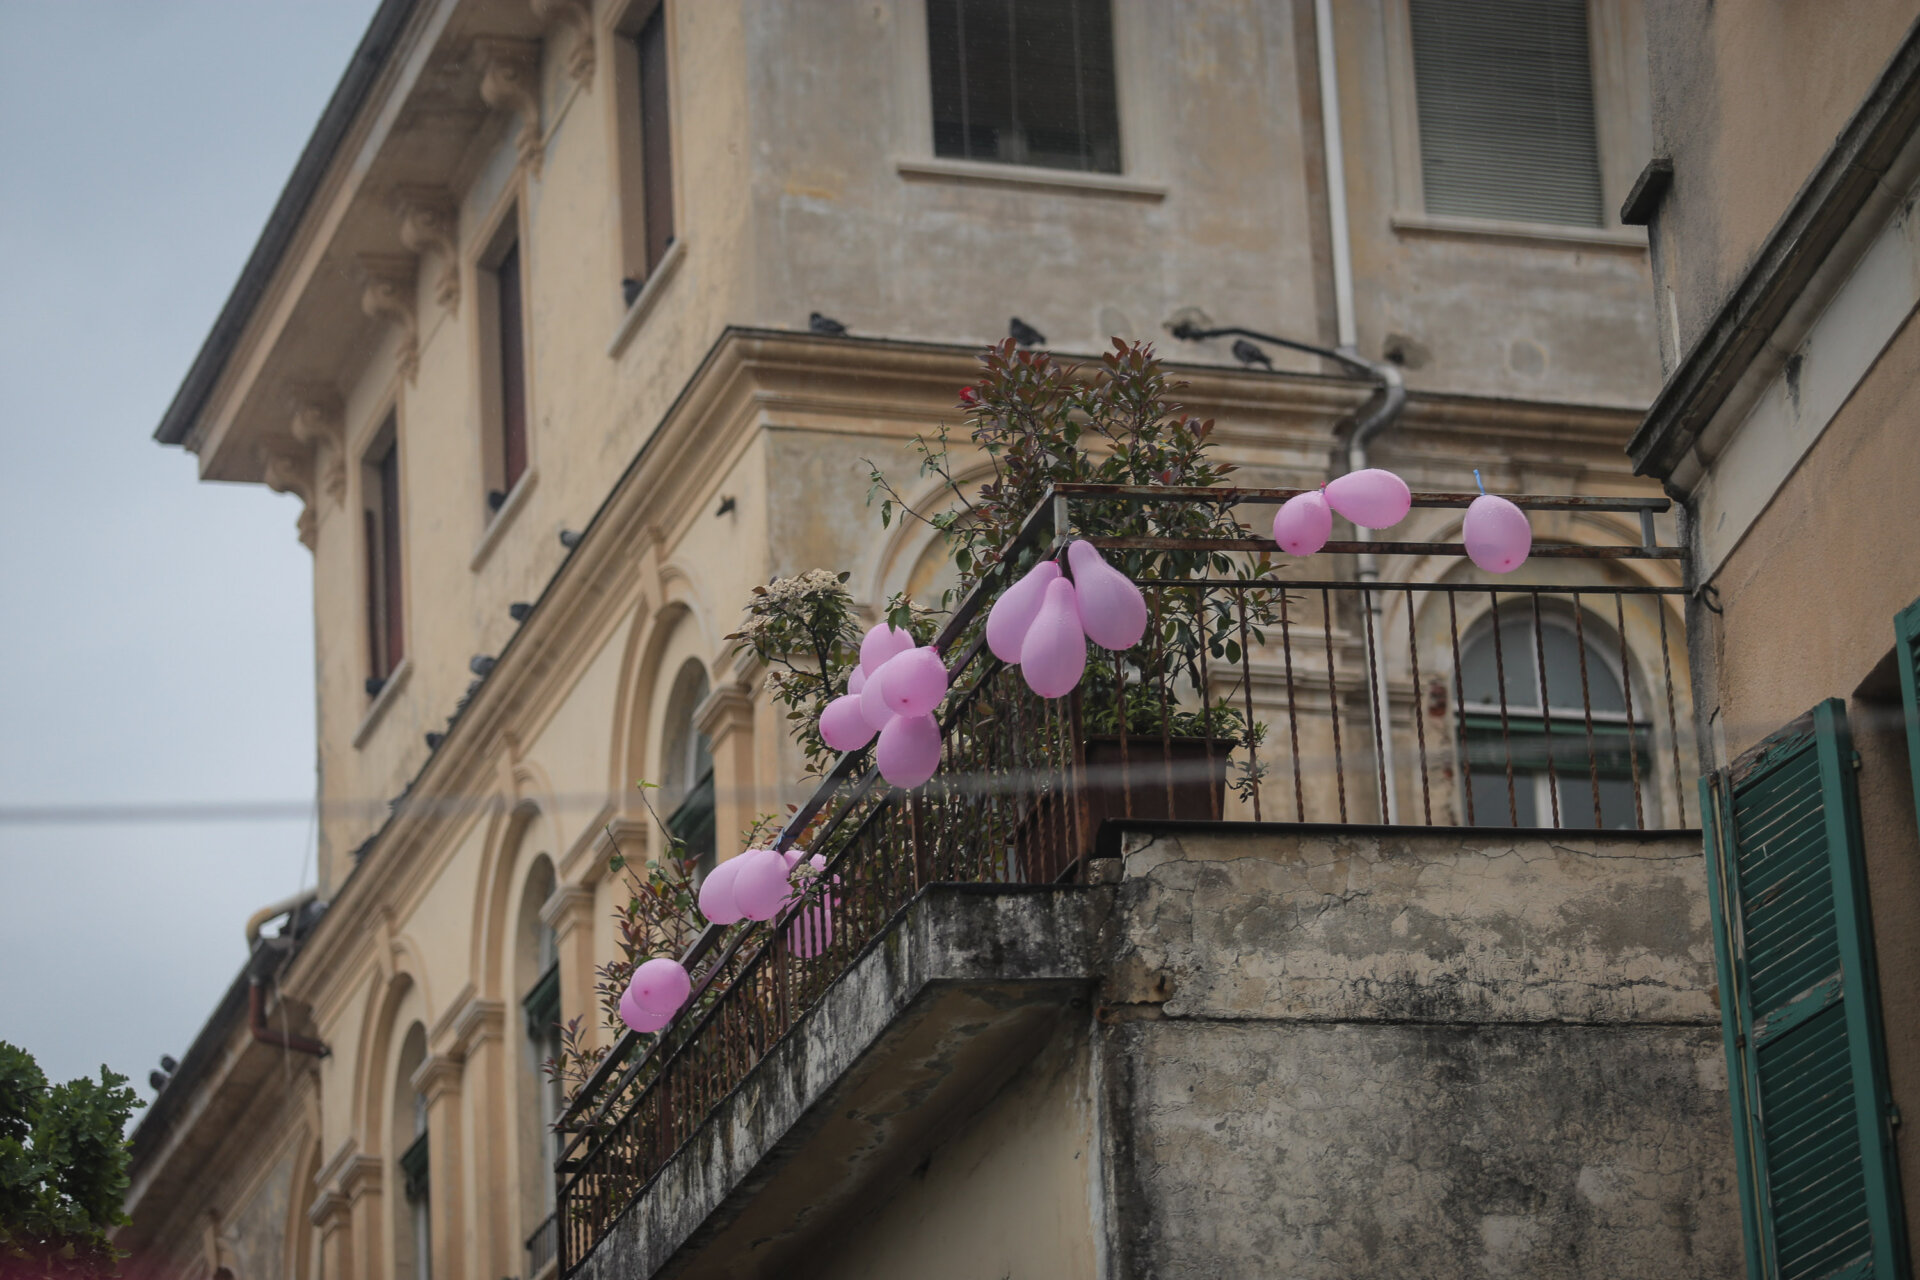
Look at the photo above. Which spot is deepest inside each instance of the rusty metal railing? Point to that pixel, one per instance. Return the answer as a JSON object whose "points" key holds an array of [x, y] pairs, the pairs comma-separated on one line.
{"points": [[1536, 700]]}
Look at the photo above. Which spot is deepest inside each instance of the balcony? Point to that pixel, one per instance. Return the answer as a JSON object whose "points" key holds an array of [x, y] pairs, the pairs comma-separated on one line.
{"points": [[1548, 699]]}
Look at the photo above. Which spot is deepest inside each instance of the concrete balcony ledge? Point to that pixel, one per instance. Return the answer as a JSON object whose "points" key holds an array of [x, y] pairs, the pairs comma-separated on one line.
{"points": [[1248, 1050]]}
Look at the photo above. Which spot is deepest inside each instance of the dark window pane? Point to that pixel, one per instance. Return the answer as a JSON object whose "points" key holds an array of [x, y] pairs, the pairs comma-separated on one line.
{"points": [[394, 638], [1505, 97], [656, 140], [513, 373], [1024, 82]]}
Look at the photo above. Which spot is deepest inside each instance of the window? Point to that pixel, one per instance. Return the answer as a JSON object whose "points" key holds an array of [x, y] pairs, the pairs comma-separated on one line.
{"points": [[510, 330], [415, 1186], [1800, 1006], [380, 528], [1504, 91], [1504, 728], [1906, 628], [656, 140], [689, 769], [539, 1097], [1024, 82], [412, 1222]]}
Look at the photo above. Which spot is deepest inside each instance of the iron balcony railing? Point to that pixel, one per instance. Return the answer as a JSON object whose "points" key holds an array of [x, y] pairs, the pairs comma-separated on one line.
{"points": [[1546, 699]]}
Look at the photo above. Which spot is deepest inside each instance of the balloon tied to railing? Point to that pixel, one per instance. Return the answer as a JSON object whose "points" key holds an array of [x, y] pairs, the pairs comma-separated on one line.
{"points": [[1496, 532]]}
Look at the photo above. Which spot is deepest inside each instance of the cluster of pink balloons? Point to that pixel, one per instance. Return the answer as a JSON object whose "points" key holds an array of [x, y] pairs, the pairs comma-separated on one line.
{"points": [[1043, 621], [655, 994], [893, 692], [1496, 532]]}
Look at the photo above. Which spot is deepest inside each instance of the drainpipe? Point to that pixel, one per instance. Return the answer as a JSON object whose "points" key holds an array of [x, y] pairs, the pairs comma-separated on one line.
{"points": [[1394, 389], [267, 954]]}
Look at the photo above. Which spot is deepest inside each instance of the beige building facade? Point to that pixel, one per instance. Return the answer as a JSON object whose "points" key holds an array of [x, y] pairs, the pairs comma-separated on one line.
{"points": [[528, 335], [1780, 210]]}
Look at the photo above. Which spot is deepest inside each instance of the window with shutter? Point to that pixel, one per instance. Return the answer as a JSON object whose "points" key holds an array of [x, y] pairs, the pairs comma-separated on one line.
{"points": [[1800, 1007], [1906, 629], [656, 139], [1504, 93], [1024, 83]]}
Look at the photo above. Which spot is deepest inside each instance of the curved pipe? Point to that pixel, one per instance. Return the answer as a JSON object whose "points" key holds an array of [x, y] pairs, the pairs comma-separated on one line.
{"points": [[261, 950]]}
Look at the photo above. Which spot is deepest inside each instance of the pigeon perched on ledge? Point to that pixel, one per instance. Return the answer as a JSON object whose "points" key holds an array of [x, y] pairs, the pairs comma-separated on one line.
{"points": [[1248, 354], [1025, 334], [826, 326]]}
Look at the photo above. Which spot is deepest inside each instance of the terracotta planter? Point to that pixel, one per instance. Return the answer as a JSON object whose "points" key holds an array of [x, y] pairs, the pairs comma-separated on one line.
{"points": [[1132, 784]]}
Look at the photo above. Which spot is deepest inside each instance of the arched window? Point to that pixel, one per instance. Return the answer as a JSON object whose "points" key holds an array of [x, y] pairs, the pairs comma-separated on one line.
{"points": [[537, 972], [413, 1237], [1547, 750], [688, 767]]}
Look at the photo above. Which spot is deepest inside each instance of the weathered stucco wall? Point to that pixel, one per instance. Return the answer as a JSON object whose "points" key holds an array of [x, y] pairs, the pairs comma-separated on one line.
{"points": [[1310, 1052]]}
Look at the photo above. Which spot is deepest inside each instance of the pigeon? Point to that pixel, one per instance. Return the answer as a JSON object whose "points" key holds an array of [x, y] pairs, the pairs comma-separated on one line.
{"points": [[168, 1063], [826, 326], [519, 610], [569, 538], [1248, 354], [629, 290], [157, 1080], [1025, 334], [481, 664], [434, 740]]}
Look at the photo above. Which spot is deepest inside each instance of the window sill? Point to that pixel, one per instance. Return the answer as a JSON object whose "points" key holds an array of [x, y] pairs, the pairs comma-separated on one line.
{"points": [[1030, 177], [500, 519], [649, 295], [1434, 224], [388, 695]]}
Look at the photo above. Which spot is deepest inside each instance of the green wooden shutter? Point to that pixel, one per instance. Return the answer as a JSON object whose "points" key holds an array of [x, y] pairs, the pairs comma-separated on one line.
{"points": [[1800, 1008], [1906, 627]]}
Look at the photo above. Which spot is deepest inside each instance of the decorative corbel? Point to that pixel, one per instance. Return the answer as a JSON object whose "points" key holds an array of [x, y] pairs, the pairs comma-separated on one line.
{"points": [[289, 469], [510, 81], [427, 221], [575, 15], [390, 293], [319, 428]]}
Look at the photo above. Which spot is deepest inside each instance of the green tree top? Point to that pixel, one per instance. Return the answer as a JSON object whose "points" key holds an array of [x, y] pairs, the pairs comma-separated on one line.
{"points": [[63, 1169]]}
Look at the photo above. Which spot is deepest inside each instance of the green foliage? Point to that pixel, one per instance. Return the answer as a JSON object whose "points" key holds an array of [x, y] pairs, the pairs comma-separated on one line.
{"points": [[63, 1169], [804, 628]]}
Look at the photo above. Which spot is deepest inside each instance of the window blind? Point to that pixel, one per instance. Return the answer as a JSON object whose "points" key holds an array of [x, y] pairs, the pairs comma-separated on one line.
{"points": [[1026, 82], [1800, 1007], [1505, 98]]}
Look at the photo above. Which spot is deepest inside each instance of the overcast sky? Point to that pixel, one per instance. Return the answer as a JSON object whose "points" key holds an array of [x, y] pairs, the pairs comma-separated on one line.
{"points": [[158, 638]]}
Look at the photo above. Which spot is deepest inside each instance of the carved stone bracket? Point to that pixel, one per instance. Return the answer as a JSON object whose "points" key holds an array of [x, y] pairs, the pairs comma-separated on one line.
{"points": [[289, 469], [428, 218], [574, 15], [390, 293], [510, 81], [319, 428]]}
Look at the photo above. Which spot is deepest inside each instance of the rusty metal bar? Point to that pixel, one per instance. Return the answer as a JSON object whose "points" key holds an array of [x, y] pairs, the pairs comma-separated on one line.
{"points": [[1546, 711], [1673, 722], [1333, 702], [1378, 703], [1419, 711], [1586, 710], [1239, 496], [1541, 550], [1293, 718], [1460, 710], [1633, 734], [1246, 688], [1500, 678]]}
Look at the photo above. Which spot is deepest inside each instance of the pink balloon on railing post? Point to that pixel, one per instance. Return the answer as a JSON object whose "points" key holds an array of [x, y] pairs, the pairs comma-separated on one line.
{"points": [[638, 1019], [1373, 499], [716, 894], [1054, 654], [873, 703], [843, 727], [1303, 524], [909, 751], [1497, 534], [915, 682], [660, 986], [1013, 612], [762, 887], [880, 643], [1113, 613]]}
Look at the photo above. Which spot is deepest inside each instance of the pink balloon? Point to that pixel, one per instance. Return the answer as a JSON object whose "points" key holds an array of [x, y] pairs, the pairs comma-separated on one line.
{"points": [[716, 894], [762, 888], [1013, 612], [856, 682], [909, 751], [1303, 524], [639, 1019], [880, 643], [842, 727], [1054, 654], [1373, 498], [1113, 613], [660, 986], [915, 682], [873, 704], [1497, 534]]}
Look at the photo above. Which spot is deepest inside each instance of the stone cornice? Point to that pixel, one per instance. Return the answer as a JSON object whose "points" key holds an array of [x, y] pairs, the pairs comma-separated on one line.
{"points": [[436, 1077], [429, 221], [480, 1022], [360, 1176], [510, 82], [567, 907], [389, 294], [727, 708]]}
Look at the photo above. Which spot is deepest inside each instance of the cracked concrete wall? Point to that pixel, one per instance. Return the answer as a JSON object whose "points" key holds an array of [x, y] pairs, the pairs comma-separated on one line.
{"points": [[1354, 1053]]}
